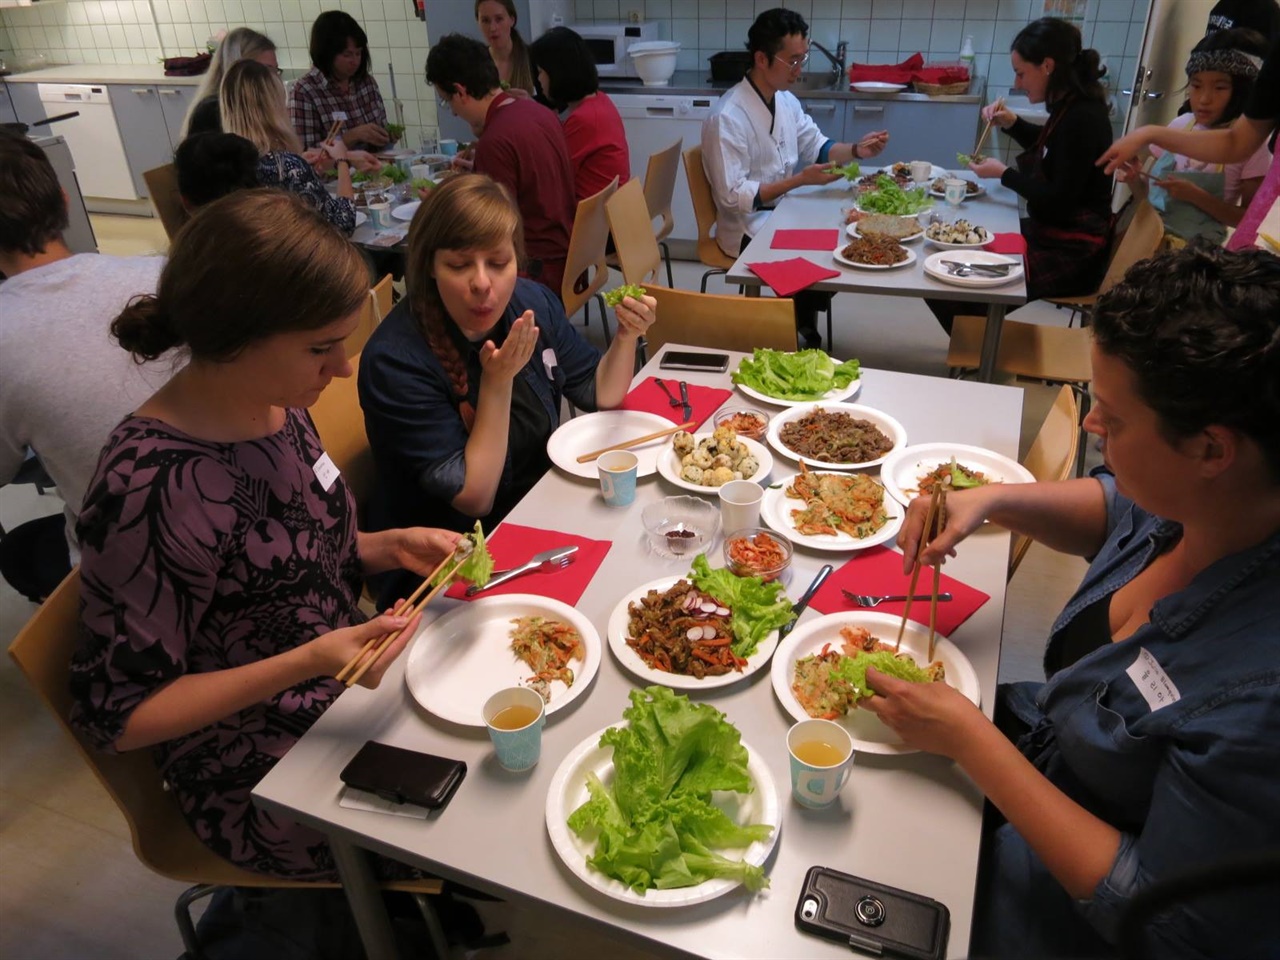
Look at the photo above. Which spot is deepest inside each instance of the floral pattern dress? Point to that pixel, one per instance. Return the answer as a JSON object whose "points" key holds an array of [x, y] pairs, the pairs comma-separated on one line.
{"points": [[288, 171]]}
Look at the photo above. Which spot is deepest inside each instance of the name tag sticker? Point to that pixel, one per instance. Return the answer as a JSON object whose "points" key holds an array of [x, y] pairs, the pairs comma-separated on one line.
{"points": [[549, 363], [1152, 682], [338, 115], [326, 472]]}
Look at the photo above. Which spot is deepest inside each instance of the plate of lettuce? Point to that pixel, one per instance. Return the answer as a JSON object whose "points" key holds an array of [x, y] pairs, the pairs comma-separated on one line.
{"points": [[787, 379], [667, 809]]}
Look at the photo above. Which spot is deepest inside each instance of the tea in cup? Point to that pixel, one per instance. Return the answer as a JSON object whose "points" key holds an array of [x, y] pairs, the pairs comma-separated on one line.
{"points": [[821, 757]]}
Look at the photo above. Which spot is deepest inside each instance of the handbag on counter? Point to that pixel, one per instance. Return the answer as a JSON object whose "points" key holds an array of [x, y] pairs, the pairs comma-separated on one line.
{"points": [[187, 66]]}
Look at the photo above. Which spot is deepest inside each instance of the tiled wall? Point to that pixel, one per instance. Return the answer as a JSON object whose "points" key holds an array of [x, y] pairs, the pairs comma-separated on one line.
{"points": [[125, 31]]}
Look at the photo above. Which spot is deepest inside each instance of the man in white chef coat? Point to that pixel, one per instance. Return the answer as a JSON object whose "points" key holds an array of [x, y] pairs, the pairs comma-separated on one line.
{"points": [[759, 144]]}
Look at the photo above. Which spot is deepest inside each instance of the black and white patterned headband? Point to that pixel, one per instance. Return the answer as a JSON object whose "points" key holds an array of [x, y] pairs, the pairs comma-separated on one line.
{"points": [[1235, 63]]}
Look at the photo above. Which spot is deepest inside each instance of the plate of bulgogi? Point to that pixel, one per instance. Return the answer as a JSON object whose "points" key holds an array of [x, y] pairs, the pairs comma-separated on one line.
{"points": [[875, 252], [836, 436], [838, 512]]}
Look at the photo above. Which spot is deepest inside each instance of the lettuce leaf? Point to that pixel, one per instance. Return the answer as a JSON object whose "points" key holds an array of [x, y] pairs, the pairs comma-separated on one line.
{"points": [[853, 671], [803, 375], [758, 608], [476, 567]]}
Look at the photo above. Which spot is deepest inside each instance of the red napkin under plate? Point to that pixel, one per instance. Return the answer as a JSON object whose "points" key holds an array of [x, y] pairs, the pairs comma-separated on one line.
{"points": [[805, 240], [878, 571], [649, 398], [512, 545], [1008, 243], [791, 276]]}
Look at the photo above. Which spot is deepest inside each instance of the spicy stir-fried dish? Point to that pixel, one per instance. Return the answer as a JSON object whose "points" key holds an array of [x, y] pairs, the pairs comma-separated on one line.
{"points": [[683, 630], [757, 556], [547, 646], [830, 683], [834, 437], [876, 250], [837, 503]]}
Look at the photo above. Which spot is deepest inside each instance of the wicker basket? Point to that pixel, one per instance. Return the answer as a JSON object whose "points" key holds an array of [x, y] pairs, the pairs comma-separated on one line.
{"points": [[941, 89]]}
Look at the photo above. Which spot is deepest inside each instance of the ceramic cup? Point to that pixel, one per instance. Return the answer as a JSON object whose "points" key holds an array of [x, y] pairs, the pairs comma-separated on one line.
{"points": [[740, 504], [817, 784], [954, 190], [420, 171], [618, 470], [380, 215], [517, 749], [920, 170], [449, 147]]}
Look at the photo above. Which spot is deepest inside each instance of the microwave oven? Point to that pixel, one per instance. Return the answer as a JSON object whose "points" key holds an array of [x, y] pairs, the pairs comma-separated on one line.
{"points": [[608, 43]]}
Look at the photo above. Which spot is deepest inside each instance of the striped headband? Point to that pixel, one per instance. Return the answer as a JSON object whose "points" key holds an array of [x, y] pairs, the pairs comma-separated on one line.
{"points": [[1235, 63]]}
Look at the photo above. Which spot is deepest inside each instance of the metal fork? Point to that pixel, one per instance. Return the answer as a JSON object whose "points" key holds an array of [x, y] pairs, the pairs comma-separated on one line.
{"points": [[864, 600], [546, 561]]}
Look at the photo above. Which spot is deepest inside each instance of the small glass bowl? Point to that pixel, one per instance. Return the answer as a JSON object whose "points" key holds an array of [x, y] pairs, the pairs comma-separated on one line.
{"points": [[745, 421], [680, 526], [745, 566]]}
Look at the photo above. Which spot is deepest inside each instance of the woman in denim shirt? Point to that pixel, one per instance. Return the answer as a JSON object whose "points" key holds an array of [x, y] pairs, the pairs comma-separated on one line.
{"points": [[461, 384], [1153, 750]]}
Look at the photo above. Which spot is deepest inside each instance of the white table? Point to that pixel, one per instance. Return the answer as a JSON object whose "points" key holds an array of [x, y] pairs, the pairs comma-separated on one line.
{"points": [[493, 835], [818, 207]]}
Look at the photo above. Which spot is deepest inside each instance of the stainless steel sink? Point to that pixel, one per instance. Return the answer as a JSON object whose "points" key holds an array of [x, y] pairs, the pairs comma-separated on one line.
{"points": [[817, 81]]}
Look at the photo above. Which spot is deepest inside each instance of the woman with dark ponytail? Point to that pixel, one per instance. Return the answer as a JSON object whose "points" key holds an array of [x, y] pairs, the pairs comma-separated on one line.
{"points": [[221, 565]]}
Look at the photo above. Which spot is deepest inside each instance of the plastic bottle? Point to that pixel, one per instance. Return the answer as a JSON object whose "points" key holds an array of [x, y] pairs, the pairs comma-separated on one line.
{"points": [[967, 55]]}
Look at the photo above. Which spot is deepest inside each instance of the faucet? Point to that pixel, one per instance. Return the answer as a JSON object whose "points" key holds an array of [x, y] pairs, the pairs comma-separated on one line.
{"points": [[837, 58]]}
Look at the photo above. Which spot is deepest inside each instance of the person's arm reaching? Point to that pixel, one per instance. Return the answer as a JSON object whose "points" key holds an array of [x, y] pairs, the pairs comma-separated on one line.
{"points": [[1233, 144]]}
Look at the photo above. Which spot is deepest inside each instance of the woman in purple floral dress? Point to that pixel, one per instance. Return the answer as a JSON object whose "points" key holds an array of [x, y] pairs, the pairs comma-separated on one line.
{"points": [[221, 564]]}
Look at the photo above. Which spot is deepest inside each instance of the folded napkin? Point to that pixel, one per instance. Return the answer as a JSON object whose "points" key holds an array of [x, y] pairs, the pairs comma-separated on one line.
{"points": [[805, 240], [885, 72], [650, 398], [791, 276], [879, 571], [511, 545], [1014, 243]]}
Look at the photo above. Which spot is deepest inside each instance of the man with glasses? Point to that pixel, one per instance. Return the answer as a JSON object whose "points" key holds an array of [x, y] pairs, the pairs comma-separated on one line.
{"points": [[760, 144]]}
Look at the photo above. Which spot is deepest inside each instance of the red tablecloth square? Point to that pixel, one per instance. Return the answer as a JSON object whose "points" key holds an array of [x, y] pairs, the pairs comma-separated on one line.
{"points": [[648, 397], [511, 545], [805, 240], [1008, 243], [791, 276]]}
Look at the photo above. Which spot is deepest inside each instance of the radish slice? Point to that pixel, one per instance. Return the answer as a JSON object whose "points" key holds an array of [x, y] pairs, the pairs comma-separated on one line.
{"points": [[722, 611], [708, 606], [708, 633], [693, 633]]}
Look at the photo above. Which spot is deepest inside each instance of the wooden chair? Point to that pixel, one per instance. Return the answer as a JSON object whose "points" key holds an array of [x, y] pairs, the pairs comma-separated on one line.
{"points": [[704, 211], [1140, 239], [638, 255], [340, 423], [1052, 455], [587, 256], [162, 185], [375, 311], [722, 322], [659, 192], [162, 840]]}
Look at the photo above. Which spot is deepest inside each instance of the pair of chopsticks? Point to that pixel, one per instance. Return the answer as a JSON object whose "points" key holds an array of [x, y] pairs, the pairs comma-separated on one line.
{"points": [[334, 130], [410, 608], [934, 522], [595, 454], [977, 150]]}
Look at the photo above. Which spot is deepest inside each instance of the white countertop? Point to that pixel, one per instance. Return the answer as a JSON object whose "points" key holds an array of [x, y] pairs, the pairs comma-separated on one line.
{"points": [[104, 73]]}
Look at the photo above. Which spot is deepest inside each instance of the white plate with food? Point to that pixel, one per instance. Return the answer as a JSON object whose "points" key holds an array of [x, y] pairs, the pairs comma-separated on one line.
{"points": [[903, 471], [844, 504], [619, 629], [909, 259], [853, 231], [958, 235], [836, 431], [459, 660], [878, 86], [938, 188], [834, 395], [672, 467], [568, 791], [588, 432], [810, 638], [902, 171], [933, 267], [406, 211]]}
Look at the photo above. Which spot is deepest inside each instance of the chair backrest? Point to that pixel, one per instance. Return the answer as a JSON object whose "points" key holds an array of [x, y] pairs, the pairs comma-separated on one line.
{"points": [[340, 423], [1052, 456], [376, 308], [162, 185], [587, 251], [638, 255], [704, 210], [1140, 240], [660, 188], [721, 322]]}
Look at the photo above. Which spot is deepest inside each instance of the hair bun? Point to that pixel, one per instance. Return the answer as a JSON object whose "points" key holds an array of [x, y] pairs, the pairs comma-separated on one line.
{"points": [[1089, 65], [144, 329]]}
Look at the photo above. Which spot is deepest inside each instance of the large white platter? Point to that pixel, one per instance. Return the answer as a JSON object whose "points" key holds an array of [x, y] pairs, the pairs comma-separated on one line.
{"points": [[935, 192], [591, 431], [878, 86], [934, 268], [869, 734], [842, 259], [458, 661], [775, 511], [669, 465], [902, 469], [406, 211], [361, 218], [831, 396], [888, 426], [617, 634], [568, 791]]}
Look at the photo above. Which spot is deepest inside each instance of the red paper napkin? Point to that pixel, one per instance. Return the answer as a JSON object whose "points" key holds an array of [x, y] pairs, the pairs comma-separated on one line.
{"points": [[649, 398], [878, 571], [791, 276], [1014, 243], [805, 240], [511, 545]]}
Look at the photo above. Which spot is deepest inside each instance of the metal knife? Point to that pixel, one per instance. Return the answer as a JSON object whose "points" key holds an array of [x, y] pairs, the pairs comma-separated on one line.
{"points": [[684, 398], [799, 605], [667, 390]]}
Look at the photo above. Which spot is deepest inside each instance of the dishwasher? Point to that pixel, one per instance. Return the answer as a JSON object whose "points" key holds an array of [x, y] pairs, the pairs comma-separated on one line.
{"points": [[94, 138]]}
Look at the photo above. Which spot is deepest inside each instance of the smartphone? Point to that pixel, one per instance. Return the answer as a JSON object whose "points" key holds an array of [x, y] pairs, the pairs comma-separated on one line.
{"points": [[871, 917], [687, 360], [404, 776]]}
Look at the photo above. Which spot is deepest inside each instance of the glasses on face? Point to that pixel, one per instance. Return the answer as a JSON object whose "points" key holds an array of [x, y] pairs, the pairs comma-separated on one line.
{"points": [[794, 62]]}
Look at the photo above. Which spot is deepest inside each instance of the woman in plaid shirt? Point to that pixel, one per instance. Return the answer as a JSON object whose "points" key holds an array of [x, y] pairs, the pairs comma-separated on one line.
{"points": [[338, 87]]}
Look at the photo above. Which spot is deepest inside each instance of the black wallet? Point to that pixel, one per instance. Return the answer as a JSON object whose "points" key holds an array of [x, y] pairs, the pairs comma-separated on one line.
{"points": [[872, 917], [404, 776]]}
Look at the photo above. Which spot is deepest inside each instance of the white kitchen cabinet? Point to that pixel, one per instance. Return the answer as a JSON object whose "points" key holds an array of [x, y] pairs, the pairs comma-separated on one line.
{"points": [[150, 121], [918, 129], [828, 114]]}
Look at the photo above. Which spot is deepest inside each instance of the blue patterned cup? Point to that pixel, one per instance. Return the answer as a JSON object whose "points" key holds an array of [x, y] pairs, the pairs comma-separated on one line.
{"points": [[515, 718], [618, 470], [821, 758]]}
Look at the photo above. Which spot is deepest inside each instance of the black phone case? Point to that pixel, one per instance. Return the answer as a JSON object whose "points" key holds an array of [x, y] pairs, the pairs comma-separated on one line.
{"points": [[404, 776], [713, 362], [840, 906]]}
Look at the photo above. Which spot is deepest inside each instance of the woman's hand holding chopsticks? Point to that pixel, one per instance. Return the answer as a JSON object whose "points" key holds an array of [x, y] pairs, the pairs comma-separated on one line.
{"points": [[967, 510], [338, 649]]}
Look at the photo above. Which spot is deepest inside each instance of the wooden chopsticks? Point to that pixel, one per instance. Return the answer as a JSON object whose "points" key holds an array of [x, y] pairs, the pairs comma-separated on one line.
{"points": [[934, 522], [594, 454], [333, 131], [999, 105]]}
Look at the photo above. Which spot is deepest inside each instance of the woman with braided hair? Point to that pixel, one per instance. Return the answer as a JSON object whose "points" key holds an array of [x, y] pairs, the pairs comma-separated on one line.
{"points": [[461, 384]]}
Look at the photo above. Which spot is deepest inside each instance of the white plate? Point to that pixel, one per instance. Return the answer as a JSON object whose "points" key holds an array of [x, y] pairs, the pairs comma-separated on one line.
{"points": [[406, 211], [852, 230], [568, 791], [888, 426], [869, 734], [878, 86], [591, 431], [841, 258], [902, 469], [616, 631], [458, 661], [943, 245], [831, 396], [669, 465], [934, 268], [775, 511], [935, 171], [361, 218], [943, 193]]}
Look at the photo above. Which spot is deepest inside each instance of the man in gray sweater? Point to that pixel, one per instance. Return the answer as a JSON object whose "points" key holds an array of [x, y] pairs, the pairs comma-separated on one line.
{"points": [[64, 383]]}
